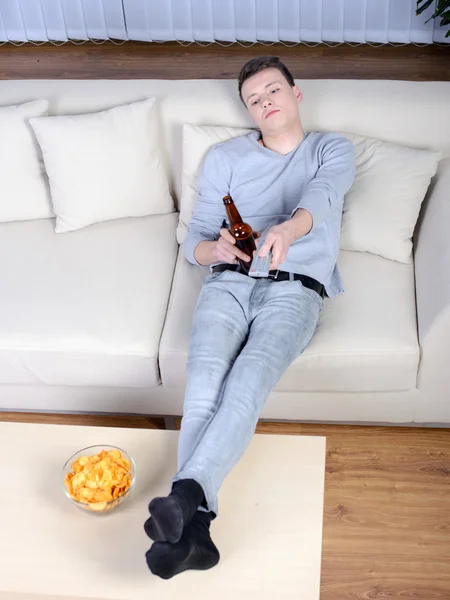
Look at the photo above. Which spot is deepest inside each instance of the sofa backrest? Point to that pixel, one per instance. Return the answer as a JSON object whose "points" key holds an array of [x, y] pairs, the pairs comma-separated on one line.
{"points": [[411, 113]]}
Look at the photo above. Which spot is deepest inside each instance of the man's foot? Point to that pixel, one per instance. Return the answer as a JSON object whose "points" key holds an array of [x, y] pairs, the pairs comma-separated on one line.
{"points": [[174, 512], [195, 550]]}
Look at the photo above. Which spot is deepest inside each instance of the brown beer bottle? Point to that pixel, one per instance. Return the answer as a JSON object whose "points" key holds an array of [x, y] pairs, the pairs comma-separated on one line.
{"points": [[242, 232]]}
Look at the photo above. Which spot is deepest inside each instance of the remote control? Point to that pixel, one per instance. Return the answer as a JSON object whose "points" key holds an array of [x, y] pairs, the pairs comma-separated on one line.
{"points": [[260, 266]]}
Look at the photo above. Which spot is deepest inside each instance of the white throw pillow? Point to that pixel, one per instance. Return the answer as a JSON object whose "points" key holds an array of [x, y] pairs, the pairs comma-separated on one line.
{"points": [[197, 140], [382, 206], [380, 209], [24, 191], [104, 166]]}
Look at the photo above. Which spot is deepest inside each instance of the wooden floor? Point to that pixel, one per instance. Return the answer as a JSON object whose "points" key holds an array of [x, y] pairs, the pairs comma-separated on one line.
{"points": [[387, 505]]}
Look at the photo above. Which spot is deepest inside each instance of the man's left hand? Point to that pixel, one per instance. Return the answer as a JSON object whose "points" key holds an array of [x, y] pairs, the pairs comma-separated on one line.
{"points": [[279, 239]]}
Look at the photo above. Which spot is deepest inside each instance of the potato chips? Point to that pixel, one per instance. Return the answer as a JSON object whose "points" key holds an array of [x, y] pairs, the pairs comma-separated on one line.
{"points": [[100, 479]]}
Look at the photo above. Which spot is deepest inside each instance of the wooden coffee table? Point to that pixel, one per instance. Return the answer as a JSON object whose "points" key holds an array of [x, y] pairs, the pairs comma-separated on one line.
{"points": [[269, 528]]}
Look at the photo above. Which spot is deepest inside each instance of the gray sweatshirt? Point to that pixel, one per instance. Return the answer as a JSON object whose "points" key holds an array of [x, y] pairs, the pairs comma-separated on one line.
{"points": [[268, 188]]}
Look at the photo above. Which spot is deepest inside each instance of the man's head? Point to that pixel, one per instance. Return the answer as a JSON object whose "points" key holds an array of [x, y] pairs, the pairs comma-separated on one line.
{"points": [[268, 90]]}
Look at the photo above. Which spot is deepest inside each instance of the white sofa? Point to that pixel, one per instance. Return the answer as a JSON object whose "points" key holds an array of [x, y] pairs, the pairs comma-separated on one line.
{"points": [[98, 320]]}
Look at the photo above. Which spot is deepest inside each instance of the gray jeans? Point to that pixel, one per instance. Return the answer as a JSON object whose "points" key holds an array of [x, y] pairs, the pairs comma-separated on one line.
{"points": [[245, 334]]}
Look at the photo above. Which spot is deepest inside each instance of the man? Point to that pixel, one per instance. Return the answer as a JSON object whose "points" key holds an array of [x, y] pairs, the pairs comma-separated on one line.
{"points": [[290, 186]]}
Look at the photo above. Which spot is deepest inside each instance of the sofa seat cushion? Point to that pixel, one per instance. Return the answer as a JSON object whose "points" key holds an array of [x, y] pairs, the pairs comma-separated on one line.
{"points": [[366, 340], [85, 308]]}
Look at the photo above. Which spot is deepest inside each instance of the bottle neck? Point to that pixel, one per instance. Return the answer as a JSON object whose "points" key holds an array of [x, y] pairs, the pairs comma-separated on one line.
{"points": [[233, 214]]}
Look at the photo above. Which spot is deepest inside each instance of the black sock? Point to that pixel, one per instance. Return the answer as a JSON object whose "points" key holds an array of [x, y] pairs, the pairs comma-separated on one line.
{"points": [[173, 512], [195, 550]]}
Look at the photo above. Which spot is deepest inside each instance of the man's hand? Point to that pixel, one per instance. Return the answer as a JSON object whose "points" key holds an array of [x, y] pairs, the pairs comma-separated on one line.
{"points": [[224, 249], [279, 240], [280, 237]]}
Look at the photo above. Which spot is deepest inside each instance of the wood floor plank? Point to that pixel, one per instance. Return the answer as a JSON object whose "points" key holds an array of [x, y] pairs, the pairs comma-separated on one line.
{"points": [[387, 514], [386, 529]]}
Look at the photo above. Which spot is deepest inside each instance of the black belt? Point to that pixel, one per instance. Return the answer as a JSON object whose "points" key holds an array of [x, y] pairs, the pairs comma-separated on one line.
{"points": [[278, 275]]}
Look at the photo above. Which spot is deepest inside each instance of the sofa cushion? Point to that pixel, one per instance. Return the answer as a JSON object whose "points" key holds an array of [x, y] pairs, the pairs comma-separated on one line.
{"points": [[196, 143], [382, 206], [104, 165], [86, 308], [24, 190], [366, 340]]}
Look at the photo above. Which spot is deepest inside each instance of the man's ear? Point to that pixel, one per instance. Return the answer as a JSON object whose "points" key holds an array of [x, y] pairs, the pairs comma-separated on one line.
{"points": [[298, 93]]}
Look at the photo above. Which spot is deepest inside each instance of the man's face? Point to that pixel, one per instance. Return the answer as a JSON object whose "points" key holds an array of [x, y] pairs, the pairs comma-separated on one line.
{"points": [[271, 101]]}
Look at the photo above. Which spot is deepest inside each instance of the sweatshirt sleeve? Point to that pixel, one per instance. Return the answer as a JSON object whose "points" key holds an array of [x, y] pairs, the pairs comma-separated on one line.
{"points": [[334, 177], [209, 211]]}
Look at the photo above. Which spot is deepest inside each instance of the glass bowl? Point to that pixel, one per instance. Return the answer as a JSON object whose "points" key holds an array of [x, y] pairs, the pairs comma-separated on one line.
{"points": [[98, 508]]}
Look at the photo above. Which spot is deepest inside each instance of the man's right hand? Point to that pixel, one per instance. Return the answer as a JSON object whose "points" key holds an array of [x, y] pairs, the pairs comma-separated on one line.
{"points": [[224, 250]]}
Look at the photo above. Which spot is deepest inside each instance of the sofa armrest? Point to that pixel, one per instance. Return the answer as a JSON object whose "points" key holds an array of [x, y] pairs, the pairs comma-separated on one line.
{"points": [[432, 272], [432, 254]]}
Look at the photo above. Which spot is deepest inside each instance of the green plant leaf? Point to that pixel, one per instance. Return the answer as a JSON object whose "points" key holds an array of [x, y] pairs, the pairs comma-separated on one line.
{"points": [[445, 18], [424, 7], [442, 10], [437, 13], [441, 7]]}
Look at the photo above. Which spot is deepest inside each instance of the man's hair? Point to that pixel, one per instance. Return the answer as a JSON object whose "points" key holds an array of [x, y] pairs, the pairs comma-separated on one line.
{"points": [[256, 65]]}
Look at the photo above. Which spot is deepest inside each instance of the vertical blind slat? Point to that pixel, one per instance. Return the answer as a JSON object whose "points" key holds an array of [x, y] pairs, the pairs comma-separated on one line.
{"points": [[182, 20], [160, 20], [95, 19], [422, 32], [245, 15], [439, 32], [289, 20], [267, 20], [311, 21], [3, 36], [54, 20], [355, 14], [377, 21], [333, 20], [114, 19], [33, 20], [400, 20], [74, 19], [223, 18], [136, 20], [13, 21], [202, 20]]}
